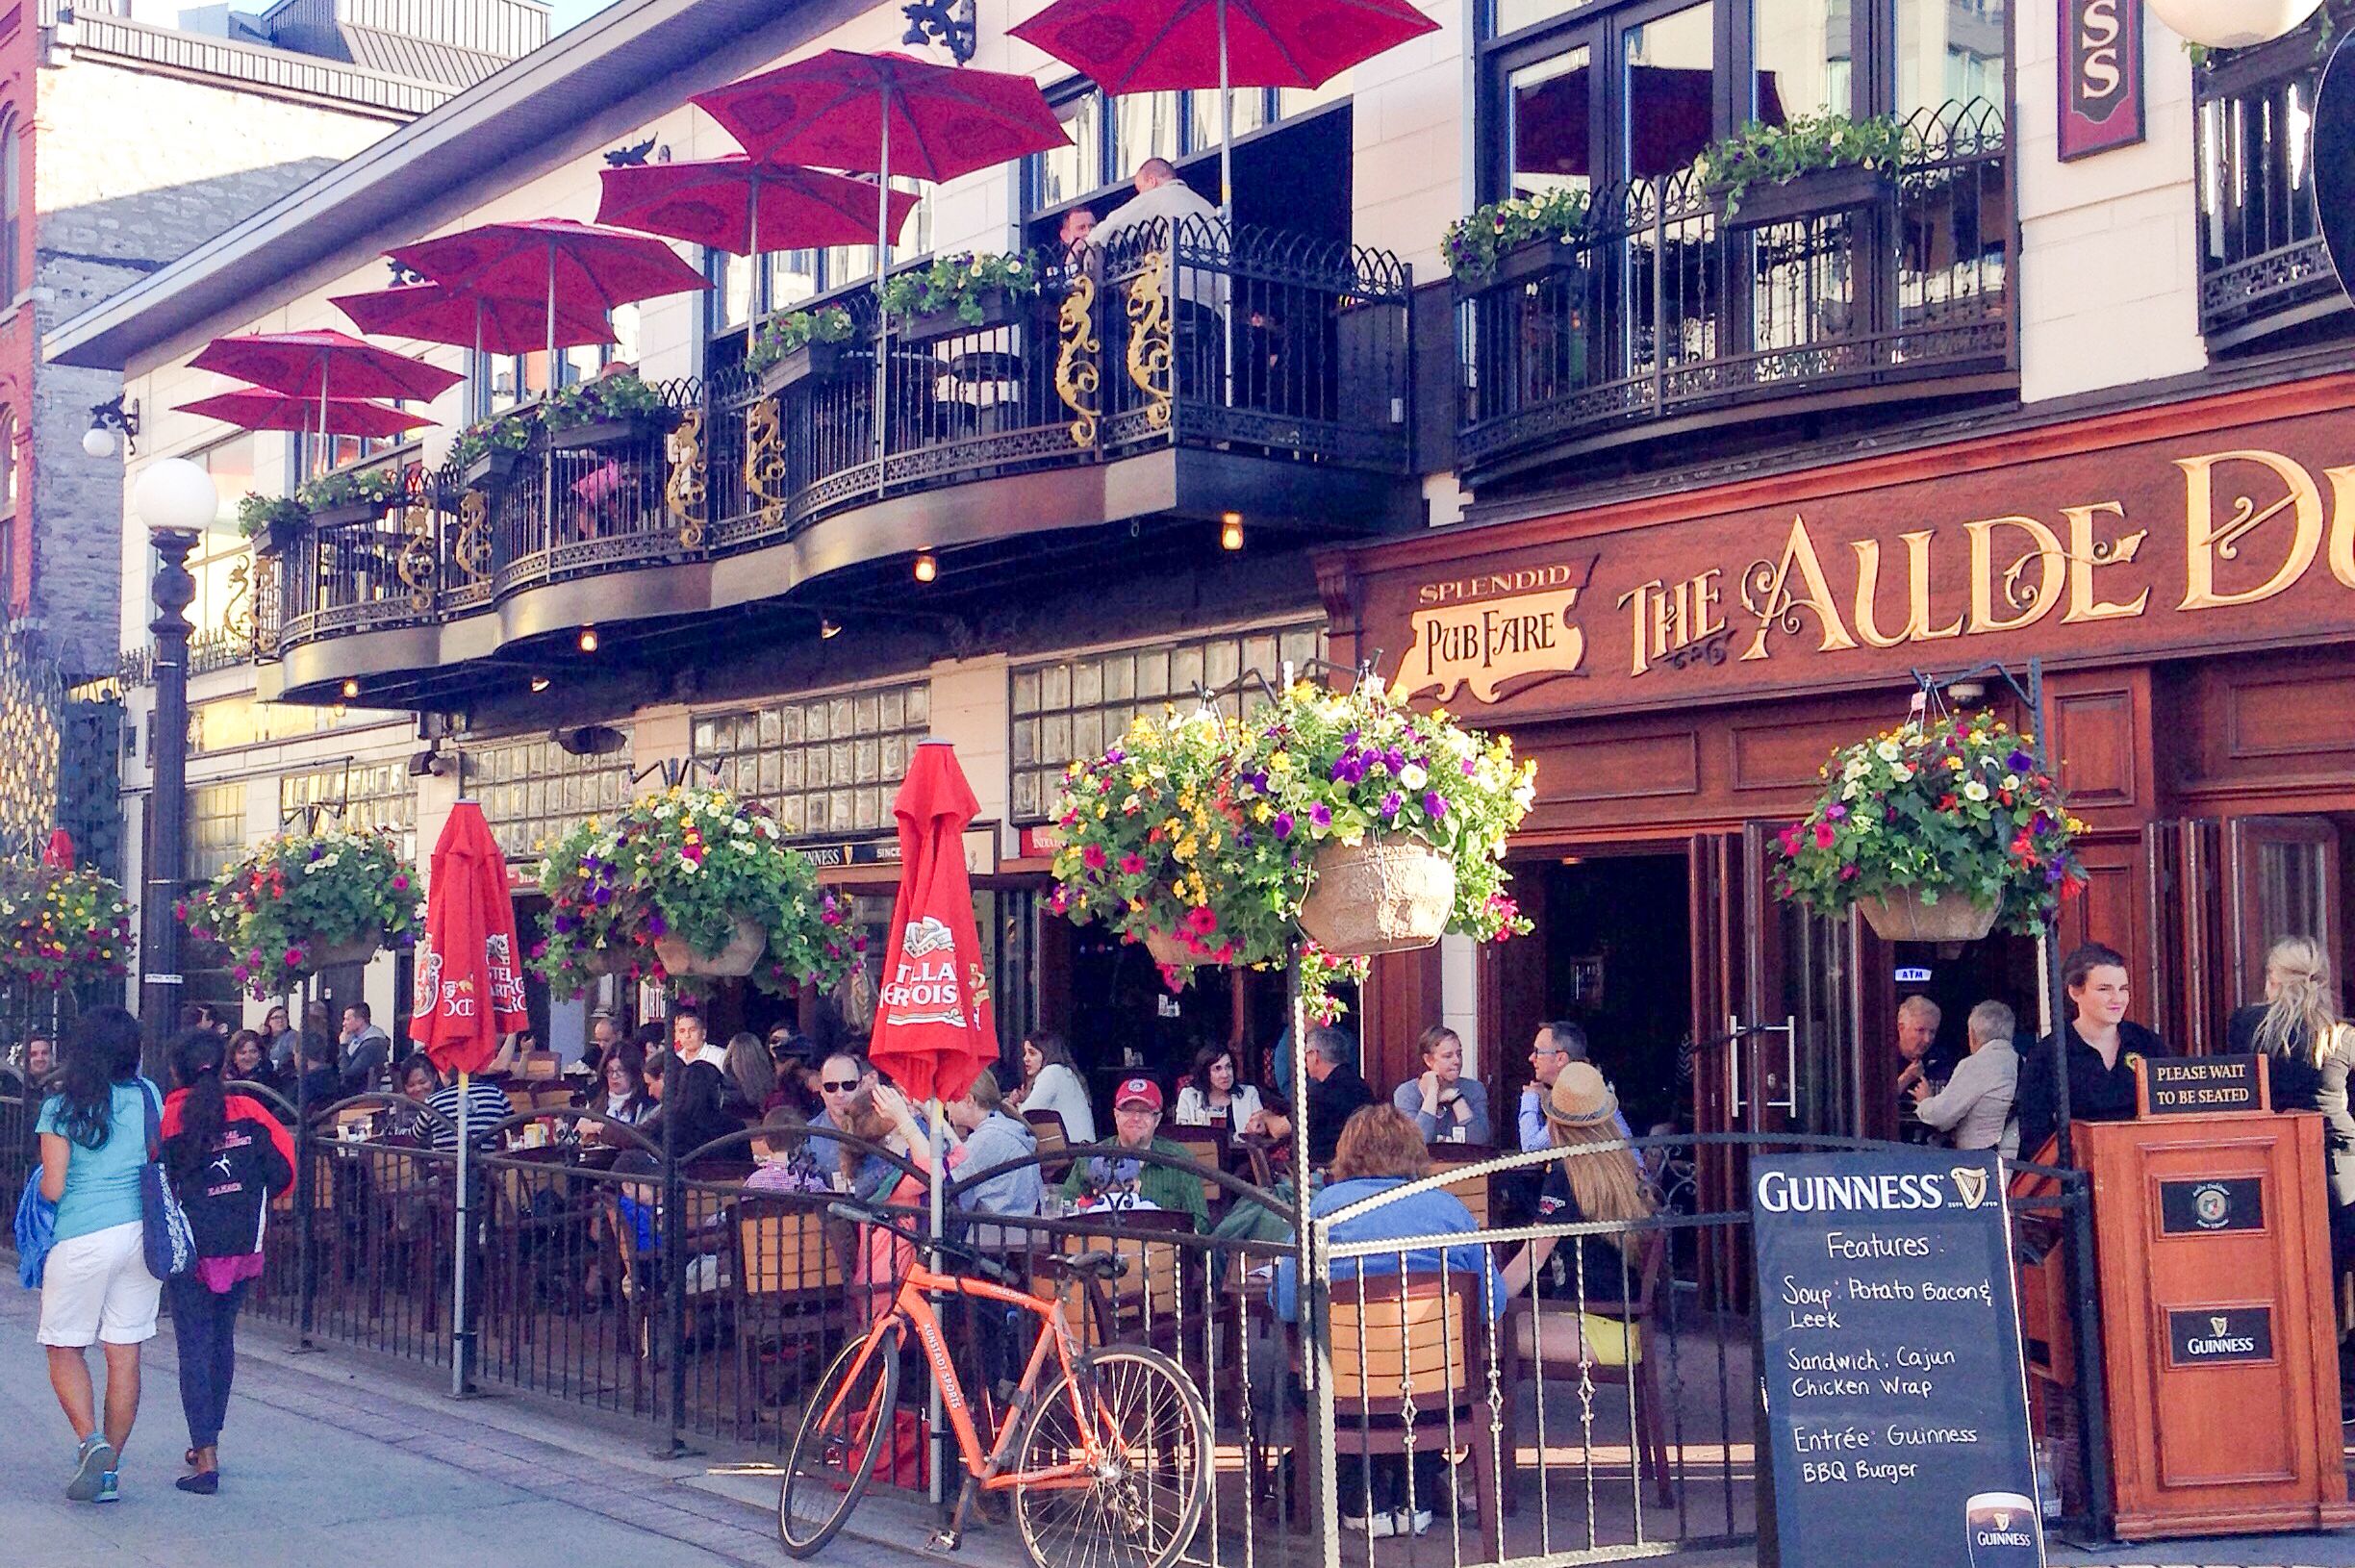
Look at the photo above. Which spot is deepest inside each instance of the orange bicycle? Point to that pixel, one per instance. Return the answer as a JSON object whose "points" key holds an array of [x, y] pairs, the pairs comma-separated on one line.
{"points": [[1108, 1463]]}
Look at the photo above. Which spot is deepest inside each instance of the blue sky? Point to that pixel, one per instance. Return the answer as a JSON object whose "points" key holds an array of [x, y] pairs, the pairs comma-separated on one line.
{"points": [[567, 12]]}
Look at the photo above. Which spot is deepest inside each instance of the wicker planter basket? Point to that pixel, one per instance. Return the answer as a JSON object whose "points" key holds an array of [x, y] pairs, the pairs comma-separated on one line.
{"points": [[358, 950], [1903, 917], [743, 951], [1383, 896], [1168, 951]]}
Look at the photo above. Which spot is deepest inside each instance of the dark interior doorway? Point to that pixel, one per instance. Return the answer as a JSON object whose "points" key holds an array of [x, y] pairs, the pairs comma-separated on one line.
{"points": [[1615, 931]]}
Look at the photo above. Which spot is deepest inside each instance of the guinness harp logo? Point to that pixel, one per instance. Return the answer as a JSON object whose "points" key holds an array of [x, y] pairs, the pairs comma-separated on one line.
{"points": [[1971, 1186], [2216, 1326], [2002, 1520]]}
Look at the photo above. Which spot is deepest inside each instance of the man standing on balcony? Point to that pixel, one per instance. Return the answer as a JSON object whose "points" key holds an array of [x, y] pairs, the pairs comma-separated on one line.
{"points": [[1185, 219]]}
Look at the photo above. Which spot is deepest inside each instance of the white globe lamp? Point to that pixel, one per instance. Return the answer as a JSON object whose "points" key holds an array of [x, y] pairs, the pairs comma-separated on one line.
{"points": [[98, 441], [174, 494], [2233, 24]]}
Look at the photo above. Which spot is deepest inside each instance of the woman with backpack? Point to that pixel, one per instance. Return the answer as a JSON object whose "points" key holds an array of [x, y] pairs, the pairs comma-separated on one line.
{"points": [[226, 1155], [96, 1287]]}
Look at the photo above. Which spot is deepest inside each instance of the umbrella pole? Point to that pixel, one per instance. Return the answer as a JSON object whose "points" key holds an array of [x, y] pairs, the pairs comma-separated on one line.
{"points": [[324, 465], [475, 366], [548, 455], [760, 274], [932, 1403], [462, 1337], [1225, 197], [882, 373]]}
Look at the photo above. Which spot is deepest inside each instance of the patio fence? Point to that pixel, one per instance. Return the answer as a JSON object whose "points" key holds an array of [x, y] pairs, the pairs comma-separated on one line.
{"points": [[1442, 1402]]}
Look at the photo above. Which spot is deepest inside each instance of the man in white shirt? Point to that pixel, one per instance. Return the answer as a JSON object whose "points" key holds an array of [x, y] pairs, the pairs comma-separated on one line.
{"points": [[1974, 1109], [1163, 198]]}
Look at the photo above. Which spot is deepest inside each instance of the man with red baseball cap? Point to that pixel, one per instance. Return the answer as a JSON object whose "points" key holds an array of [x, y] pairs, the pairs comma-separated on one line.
{"points": [[1111, 1181]]}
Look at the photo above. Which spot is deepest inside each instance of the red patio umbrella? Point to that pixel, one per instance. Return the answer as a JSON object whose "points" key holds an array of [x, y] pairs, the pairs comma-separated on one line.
{"points": [[60, 855], [312, 365], [434, 312], [885, 115], [468, 987], [934, 1029], [1161, 45], [253, 408]]}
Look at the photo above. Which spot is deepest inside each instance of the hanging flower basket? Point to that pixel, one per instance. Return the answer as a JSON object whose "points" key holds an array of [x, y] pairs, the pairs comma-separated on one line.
{"points": [[1386, 895], [743, 948], [812, 361], [1939, 831], [62, 928], [1170, 952], [1910, 916], [296, 904]]}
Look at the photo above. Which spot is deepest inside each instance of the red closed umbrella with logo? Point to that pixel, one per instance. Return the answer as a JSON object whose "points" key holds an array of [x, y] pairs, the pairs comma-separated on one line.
{"points": [[469, 991], [934, 1028]]}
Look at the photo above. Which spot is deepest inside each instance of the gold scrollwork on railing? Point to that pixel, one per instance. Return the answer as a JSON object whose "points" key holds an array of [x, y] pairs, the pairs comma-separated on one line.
{"points": [[683, 491], [763, 469], [1148, 338], [237, 616], [416, 564], [1076, 373], [472, 548]]}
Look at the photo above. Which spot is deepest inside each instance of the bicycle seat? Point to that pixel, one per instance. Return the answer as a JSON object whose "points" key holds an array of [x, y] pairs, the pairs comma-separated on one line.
{"points": [[1102, 1264]]}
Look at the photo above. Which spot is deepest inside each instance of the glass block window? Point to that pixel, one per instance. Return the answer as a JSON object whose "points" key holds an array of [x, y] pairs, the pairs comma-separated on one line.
{"points": [[1070, 710], [215, 829], [378, 795], [827, 765], [533, 791]]}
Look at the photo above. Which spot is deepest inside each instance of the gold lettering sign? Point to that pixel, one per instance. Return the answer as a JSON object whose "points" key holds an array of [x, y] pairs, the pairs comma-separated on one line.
{"points": [[1485, 645]]}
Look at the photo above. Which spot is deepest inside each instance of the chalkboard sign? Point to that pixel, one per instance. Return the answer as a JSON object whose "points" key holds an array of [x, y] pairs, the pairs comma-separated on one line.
{"points": [[1896, 1407], [2202, 1085]]}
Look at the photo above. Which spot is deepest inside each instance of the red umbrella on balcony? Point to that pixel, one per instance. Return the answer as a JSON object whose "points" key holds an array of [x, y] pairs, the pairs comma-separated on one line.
{"points": [[1162, 46], [257, 408], [736, 202], [435, 313], [315, 365], [468, 984], [885, 115]]}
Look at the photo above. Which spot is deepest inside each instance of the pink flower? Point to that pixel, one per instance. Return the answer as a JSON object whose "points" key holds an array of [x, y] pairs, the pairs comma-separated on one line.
{"points": [[400, 884], [1092, 857], [1823, 835], [1201, 920], [1132, 864], [293, 958]]}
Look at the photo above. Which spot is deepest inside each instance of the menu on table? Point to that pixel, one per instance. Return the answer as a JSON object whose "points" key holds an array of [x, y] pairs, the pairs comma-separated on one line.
{"points": [[1896, 1404]]}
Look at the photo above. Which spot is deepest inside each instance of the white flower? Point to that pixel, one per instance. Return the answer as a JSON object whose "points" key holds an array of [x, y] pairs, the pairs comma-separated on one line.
{"points": [[1900, 772], [1974, 790], [2010, 781], [1888, 751], [1414, 778]]}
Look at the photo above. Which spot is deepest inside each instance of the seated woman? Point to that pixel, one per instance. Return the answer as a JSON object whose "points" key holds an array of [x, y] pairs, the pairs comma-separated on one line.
{"points": [[250, 1061], [1588, 1184], [748, 1085], [1381, 1149], [1216, 1097], [1445, 1106], [625, 1097], [418, 1079], [1050, 1082]]}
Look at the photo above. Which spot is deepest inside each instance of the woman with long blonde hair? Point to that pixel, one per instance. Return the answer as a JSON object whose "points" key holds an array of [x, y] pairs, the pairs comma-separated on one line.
{"points": [[1596, 1180], [2309, 1052]]}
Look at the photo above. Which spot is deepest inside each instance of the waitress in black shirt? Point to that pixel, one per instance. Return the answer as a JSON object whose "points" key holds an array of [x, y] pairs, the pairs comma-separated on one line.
{"points": [[2103, 1047]]}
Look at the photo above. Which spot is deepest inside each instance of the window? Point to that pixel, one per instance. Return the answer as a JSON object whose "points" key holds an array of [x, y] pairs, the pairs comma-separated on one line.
{"points": [[791, 277], [827, 764], [2263, 265], [215, 829], [1948, 49], [1070, 710], [535, 791], [12, 199], [355, 795], [1111, 143], [517, 378]]}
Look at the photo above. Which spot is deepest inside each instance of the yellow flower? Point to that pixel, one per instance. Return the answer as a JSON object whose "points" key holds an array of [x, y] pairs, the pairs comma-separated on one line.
{"points": [[1280, 762], [1103, 809], [1261, 812]]}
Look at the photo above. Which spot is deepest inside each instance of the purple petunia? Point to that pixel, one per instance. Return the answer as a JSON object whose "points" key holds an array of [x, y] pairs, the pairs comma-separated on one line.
{"points": [[1434, 805], [1836, 811], [1321, 814], [2019, 761], [1391, 804], [1282, 825], [656, 924]]}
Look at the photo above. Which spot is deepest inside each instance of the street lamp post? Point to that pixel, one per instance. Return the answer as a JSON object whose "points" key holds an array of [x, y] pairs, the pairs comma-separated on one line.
{"points": [[175, 499]]}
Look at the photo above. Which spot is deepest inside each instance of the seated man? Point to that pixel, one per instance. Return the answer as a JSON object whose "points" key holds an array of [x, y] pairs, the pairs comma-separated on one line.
{"points": [[1136, 1116]]}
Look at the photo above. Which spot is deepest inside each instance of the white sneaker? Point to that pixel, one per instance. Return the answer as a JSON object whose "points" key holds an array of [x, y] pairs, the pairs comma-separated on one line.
{"points": [[1380, 1526], [1421, 1522]]}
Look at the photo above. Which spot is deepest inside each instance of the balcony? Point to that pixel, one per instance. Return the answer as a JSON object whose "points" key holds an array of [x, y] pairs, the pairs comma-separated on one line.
{"points": [[2263, 268], [1151, 384], [1664, 315]]}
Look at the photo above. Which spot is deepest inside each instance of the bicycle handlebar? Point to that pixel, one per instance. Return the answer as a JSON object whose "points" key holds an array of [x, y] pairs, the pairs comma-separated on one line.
{"points": [[866, 1214]]}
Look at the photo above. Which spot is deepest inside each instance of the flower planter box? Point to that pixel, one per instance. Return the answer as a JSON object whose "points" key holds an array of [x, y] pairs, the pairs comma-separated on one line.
{"points": [[492, 467], [1903, 917], [1168, 951], [280, 537], [812, 361], [358, 950], [1383, 896], [1533, 259], [1816, 193], [999, 308], [615, 432], [735, 960], [344, 514]]}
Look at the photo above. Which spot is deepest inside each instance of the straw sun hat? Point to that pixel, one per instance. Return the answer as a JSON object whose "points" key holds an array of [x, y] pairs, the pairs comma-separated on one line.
{"points": [[1581, 1098]]}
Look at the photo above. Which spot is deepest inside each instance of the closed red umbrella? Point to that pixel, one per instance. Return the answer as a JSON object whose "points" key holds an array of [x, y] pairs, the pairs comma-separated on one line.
{"points": [[437, 313], [323, 364], [934, 1028], [60, 855], [468, 993], [252, 408]]}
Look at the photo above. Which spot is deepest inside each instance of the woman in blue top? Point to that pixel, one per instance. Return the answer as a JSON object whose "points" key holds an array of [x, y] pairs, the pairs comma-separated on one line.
{"points": [[95, 1285]]}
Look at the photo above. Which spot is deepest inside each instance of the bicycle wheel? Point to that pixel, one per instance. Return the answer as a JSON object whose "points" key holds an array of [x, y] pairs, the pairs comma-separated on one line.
{"points": [[1150, 1443], [842, 1429]]}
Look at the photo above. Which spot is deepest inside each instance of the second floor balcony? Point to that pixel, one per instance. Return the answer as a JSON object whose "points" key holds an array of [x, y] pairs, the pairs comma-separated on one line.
{"points": [[1665, 311], [1159, 381]]}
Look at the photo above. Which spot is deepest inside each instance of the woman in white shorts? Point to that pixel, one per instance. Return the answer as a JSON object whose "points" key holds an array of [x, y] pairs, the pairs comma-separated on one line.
{"points": [[95, 1285]]}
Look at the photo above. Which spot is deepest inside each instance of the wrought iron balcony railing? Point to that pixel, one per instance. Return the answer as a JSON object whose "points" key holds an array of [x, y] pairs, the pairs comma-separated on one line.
{"points": [[2263, 268], [1273, 346], [1664, 306]]}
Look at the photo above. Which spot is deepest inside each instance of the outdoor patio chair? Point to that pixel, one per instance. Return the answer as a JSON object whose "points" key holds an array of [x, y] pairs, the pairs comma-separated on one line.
{"points": [[1472, 1191], [789, 1289], [1052, 1139], [1203, 1146], [1643, 1376]]}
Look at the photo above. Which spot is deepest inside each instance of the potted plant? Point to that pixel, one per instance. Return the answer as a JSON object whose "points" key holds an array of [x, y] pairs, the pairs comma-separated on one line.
{"points": [[960, 294], [798, 346], [612, 409], [1408, 813], [1812, 165], [689, 885], [272, 522], [1937, 831], [487, 451], [1508, 242], [296, 904], [338, 499], [62, 929]]}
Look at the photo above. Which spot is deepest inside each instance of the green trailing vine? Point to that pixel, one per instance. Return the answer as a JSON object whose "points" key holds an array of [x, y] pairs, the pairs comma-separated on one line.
{"points": [[796, 330], [501, 433], [379, 486], [961, 284], [258, 513], [1474, 245], [1761, 154]]}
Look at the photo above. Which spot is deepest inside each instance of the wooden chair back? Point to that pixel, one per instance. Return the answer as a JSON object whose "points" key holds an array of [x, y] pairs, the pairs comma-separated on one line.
{"points": [[1146, 1296], [1472, 1191], [1202, 1146], [538, 1066], [1419, 1335], [519, 1097], [1048, 1128], [782, 1253]]}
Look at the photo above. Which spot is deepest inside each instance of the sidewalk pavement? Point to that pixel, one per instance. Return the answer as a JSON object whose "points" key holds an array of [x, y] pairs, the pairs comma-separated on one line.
{"points": [[330, 1459]]}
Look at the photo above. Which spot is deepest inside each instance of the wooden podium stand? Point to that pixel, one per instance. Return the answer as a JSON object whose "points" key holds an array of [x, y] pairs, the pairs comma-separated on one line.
{"points": [[2220, 1335]]}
